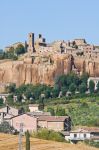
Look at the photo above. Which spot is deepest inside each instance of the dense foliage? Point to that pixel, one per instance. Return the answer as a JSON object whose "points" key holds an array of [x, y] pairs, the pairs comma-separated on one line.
{"points": [[13, 53], [92, 143], [48, 135], [6, 128], [71, 82]]}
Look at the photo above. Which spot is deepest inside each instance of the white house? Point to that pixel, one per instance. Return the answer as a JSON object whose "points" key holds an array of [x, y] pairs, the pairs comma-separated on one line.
{"points": [[33, 107], [82, 134]]}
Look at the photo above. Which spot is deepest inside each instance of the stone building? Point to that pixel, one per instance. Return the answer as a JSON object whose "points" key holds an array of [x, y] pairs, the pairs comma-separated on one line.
{"points": [[31, 48], [28, 122], [56, 123]]}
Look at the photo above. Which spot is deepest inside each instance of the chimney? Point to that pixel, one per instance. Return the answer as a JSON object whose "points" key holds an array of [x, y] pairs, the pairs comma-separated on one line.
{"points": [[7, 109]]}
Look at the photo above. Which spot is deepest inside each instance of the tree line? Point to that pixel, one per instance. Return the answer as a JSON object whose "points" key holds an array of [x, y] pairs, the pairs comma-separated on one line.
{"points": [[63, 84], [13, 53]]}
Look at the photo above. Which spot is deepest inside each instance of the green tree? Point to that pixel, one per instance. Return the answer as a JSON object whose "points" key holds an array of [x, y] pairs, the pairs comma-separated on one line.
{"points": [[27, 140], [82, 88], [91, 86], [84, 77], [1, 101], [64, 90], [10, 99], [61, 81], [72, 78], [51, 110], [47, 93], [20, 49], [55, 92], [60, 111], [5, 127], [72, 88], [11, 88]]}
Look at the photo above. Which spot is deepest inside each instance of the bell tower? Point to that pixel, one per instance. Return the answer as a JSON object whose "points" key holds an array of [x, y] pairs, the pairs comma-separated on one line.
{"points": [[31, 48]]}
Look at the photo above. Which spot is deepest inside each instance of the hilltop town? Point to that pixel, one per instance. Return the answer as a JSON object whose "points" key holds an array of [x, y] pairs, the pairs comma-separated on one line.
{"points": [[40, 83], [42, 62]]}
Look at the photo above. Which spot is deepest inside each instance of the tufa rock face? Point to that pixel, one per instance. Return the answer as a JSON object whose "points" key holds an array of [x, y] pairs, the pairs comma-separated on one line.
{"points": [[41, 70], [44, 69]]}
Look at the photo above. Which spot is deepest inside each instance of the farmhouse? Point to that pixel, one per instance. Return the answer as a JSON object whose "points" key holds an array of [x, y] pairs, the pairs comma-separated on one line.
{"points": [[28, 122], [56, 123], [87, 133]]}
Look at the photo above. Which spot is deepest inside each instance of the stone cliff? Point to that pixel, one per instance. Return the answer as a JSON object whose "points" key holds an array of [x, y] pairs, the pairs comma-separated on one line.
{"points": [[40, 70], [43, 69]]}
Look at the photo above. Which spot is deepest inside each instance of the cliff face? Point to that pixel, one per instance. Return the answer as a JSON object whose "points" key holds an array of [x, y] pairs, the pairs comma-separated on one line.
{"points": [[43, 69], [38, 71]]}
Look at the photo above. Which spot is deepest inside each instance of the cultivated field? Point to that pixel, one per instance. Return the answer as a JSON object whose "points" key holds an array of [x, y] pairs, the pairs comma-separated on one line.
{"points": [[10, 142]]}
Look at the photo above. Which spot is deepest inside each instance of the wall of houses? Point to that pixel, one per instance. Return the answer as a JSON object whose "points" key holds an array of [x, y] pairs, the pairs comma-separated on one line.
{"points": [[32, 109], [29, 123], [9, 110], [56, 126], [51, 125], [42, 124], [78, 136]]}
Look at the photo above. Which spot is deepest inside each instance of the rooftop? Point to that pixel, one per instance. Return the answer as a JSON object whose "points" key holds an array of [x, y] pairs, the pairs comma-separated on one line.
{"points": [[53, 118]]}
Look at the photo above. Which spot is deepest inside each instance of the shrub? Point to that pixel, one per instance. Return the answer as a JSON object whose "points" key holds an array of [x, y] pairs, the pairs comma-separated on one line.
{"points": [[1, 101], [51, 110], [6, 128], [48, 135]]}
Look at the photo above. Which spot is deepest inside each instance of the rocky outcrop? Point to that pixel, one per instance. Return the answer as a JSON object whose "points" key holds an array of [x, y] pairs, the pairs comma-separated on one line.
{"points": [[44, 69], [38, 71]]}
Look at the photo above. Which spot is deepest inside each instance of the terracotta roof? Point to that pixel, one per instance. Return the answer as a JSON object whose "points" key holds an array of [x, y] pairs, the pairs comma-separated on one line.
{"points": [[86, 130], [52, 118], [91, 129]]}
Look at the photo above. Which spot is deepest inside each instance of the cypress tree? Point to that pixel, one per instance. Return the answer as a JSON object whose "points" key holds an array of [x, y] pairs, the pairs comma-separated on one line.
{"points": [[27, 140]]}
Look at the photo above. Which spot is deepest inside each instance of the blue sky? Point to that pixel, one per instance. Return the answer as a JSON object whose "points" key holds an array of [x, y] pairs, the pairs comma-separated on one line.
{"points": [[55, 19]]}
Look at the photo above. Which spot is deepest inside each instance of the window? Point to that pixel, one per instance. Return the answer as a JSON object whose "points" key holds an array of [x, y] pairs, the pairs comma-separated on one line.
{"points": [[84, 135], [75, 135]]}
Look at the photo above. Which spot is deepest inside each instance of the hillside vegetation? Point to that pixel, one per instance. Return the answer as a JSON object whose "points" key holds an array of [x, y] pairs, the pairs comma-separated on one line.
{"points": [[83, 111]]}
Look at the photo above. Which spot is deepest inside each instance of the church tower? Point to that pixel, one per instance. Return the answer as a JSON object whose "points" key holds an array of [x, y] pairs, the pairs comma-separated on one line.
{"points": [[31, 48]]}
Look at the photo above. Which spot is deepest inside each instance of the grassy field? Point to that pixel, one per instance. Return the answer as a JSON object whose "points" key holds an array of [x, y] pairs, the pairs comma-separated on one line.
{"points": [[10, 142]]}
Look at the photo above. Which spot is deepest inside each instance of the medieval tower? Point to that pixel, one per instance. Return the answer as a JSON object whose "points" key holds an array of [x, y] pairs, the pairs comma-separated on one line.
{"points": [[31, 48]]}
